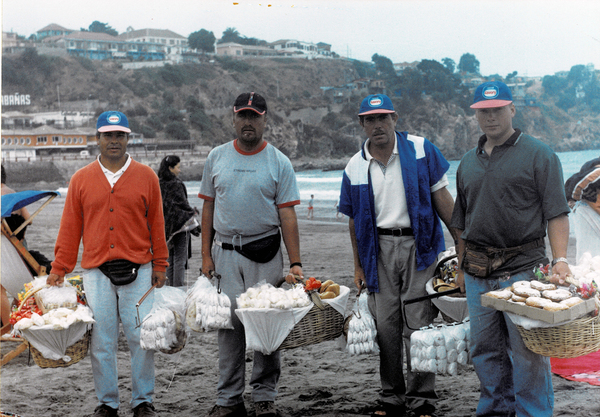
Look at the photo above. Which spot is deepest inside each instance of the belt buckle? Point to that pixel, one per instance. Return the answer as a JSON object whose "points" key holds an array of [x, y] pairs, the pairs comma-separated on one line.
{"points": [[397, 232]]}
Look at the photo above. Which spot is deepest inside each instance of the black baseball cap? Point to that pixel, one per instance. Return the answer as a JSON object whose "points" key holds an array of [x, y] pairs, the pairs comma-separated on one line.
{"points": [[250, 101]]}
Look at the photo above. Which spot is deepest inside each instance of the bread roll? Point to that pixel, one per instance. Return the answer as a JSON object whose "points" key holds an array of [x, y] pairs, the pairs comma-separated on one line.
{"points": [[556, 295], [526, 292], [552, 306], [518, 299], [334, 288], [501, 294], [573, 301], [540, 286], [327, 295], [325, 286], [522, 284], [538, 302]]}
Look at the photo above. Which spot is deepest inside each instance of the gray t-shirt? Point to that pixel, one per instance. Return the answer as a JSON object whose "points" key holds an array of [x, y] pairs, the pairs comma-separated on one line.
{"points": [[248, 189]]}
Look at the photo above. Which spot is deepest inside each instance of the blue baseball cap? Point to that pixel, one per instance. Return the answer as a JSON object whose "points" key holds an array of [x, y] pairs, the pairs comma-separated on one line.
{"points": [[111, 121], [376, 103], [492, 94]]}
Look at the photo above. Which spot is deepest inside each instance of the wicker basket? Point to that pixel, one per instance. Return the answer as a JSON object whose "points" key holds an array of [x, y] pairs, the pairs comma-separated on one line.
{"points": [[316, 327], [76, 351], [577, 338]]}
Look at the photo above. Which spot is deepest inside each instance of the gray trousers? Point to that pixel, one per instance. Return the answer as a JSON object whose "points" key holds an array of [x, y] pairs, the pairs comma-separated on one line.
{"points": [[399, 280], [238, 274]]}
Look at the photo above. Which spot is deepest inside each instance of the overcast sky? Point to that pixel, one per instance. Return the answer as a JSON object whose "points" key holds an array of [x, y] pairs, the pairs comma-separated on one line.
{"points": [[533, 37]]}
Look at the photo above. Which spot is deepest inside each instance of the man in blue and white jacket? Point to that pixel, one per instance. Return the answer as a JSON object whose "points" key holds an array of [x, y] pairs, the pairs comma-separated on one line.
{"points": [[394, 192]]}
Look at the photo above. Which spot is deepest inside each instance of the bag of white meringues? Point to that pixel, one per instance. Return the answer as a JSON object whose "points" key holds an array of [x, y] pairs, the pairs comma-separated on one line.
{"points": [[361, 330], [208, 308], [164, 328]]}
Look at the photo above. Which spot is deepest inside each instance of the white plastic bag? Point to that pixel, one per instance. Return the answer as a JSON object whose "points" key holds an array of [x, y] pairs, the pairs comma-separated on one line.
{"points": [[164, 329], [440, 349], [362, 332], [207, 308]]}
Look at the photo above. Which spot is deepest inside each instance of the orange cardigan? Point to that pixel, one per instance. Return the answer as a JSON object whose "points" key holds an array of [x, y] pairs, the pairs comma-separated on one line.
{"points": [[125, 222]]}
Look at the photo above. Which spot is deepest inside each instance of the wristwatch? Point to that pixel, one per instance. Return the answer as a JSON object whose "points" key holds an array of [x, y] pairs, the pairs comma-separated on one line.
{"points": [[556, 260]]}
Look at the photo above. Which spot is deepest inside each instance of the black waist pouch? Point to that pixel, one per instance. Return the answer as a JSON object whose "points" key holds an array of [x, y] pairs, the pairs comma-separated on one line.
{"points": [[261, 250], [120, 271]]}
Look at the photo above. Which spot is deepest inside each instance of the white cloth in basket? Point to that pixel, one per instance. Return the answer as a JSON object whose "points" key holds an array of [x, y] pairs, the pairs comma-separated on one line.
{"points": [[53, 344], [455, 307], [267, 328]]}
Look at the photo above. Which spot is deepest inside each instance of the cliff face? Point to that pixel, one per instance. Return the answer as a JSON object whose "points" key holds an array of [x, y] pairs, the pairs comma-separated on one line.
{"points": [[303, 123]]}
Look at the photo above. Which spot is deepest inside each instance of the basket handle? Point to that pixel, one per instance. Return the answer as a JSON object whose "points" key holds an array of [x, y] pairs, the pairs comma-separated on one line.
{"points": [[138, 320], [423, 298]]}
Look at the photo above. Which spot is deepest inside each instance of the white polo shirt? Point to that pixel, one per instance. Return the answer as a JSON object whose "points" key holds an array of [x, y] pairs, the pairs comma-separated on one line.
{"points": [[388, 188]]}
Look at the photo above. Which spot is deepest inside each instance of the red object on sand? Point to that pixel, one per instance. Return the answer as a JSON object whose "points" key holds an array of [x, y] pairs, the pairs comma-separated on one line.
{"points": [[581, 369]]}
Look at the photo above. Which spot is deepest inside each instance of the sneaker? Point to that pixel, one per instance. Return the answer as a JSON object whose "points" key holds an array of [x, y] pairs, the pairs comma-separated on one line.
{"points": [[105, 411], [238, 410], [144, 410], [265, 409]]}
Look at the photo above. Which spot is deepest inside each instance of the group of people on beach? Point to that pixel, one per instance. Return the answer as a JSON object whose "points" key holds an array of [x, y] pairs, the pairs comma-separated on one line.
{"points": [[510, 195]]}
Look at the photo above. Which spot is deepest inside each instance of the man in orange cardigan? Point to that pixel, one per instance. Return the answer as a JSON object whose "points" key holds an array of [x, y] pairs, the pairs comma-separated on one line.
{"points": [[114, 204]]}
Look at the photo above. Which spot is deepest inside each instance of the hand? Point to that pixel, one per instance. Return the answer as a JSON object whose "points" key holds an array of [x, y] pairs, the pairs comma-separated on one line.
{"points": [[359, 279], [560, 271], [54, 280], [295, 270], [207, 266], [460, 280], [159, 278]]}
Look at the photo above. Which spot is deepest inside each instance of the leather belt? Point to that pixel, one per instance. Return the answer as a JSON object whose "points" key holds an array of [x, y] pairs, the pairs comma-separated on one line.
{"points": [[405, 231], [224, 245]]}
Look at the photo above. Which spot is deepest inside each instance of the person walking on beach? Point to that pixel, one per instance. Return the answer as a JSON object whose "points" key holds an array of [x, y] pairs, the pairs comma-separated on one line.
{"points": [[394, 192], [249, 191], [114, 205], [509, 193], [178, 213], [310, 215]]}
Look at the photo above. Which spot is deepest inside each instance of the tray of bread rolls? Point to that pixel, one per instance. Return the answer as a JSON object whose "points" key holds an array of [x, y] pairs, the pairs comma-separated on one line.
{"points": [[539, 301]]}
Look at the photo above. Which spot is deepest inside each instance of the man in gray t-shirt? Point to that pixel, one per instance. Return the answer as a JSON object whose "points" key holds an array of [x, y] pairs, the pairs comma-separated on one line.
{"points": [[249, 191]]}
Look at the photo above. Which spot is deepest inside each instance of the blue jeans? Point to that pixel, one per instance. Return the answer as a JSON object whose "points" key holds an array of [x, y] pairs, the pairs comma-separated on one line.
{"points": [[513, 379], [178, 257], [109, 303]]}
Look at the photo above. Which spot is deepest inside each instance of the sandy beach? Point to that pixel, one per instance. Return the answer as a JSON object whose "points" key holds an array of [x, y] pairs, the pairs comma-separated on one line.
{"points": [[318, 380]]}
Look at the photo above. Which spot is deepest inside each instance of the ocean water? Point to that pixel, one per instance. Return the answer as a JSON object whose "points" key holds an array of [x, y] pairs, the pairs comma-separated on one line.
{"points": [[325, 186]]}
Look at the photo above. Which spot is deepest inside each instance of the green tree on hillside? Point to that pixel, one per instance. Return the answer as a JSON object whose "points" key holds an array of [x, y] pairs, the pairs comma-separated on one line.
{"points": [[438, 81], [202, 40], [384, 65], [177, 130], [230, 35], [449, 64], [100, 27], [468, 63]]}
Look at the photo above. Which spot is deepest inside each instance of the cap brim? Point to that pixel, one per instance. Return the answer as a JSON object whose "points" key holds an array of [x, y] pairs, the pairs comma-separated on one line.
{"points": [[376, 111], [488, 104], [114, 129], [239, 109]]}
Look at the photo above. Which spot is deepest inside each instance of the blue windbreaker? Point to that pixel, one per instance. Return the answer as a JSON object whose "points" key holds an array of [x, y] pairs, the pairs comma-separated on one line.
{"points": [[423, 165]]}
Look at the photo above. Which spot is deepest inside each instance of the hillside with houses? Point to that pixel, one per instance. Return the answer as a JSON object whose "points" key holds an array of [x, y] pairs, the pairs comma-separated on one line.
{"points": [[180, 98]]}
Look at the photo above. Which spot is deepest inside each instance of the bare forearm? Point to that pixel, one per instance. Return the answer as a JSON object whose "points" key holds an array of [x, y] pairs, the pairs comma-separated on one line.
{"points": [[291, 235], [558, 234], [208, 232], [444, 204]]}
